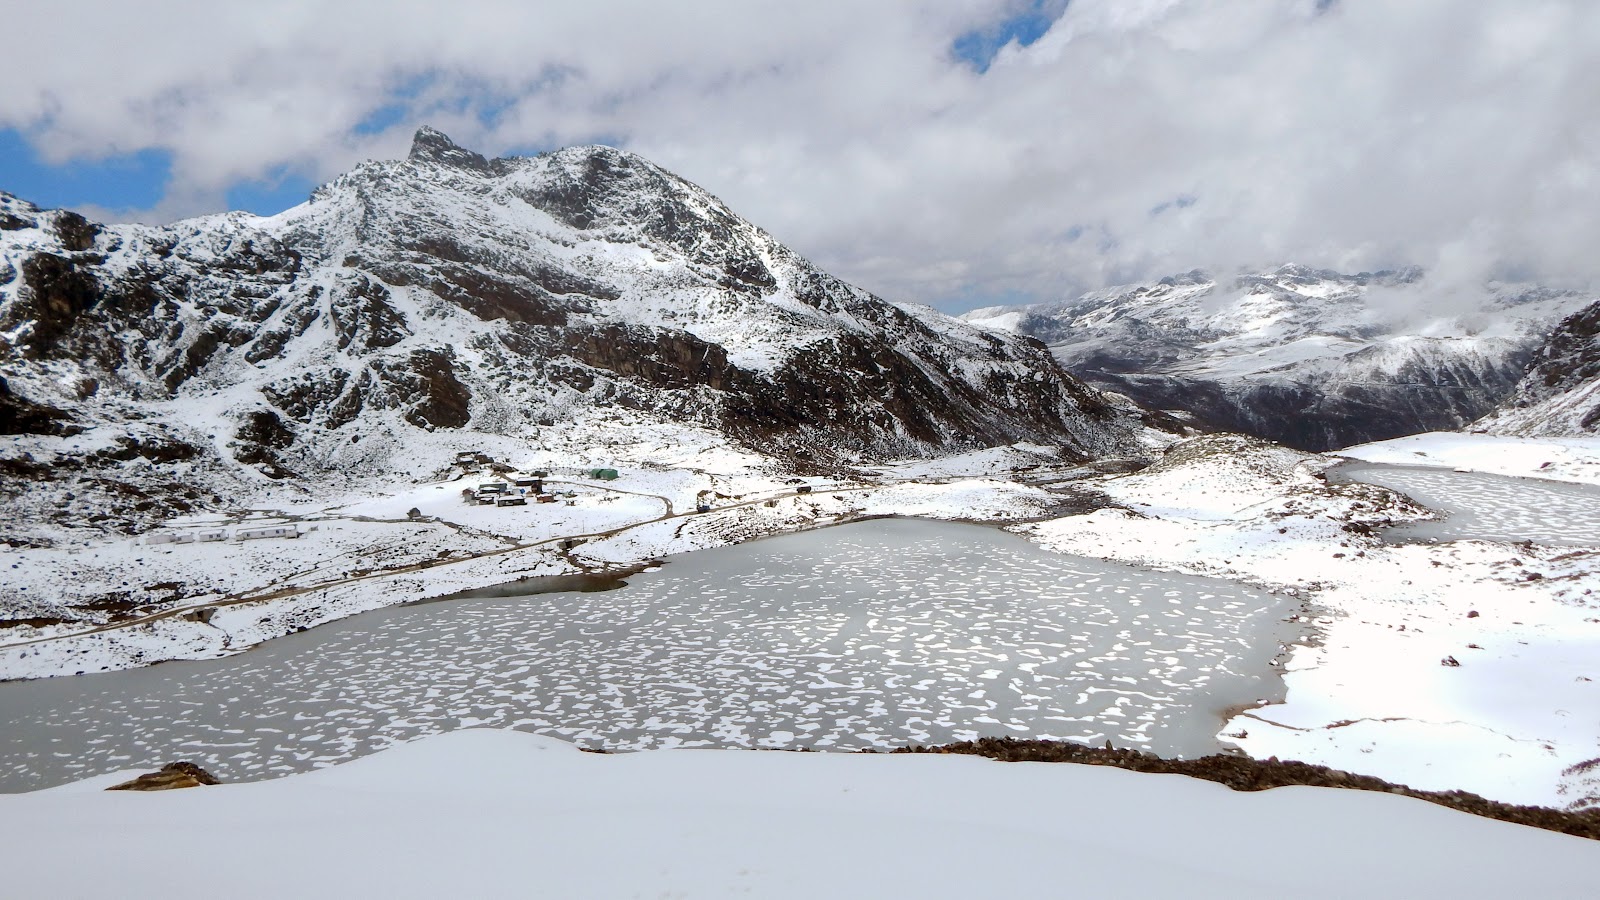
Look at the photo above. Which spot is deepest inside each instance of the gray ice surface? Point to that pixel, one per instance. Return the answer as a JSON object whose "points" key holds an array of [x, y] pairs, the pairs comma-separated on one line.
{"points": [[877, 634], [1488, 507]]}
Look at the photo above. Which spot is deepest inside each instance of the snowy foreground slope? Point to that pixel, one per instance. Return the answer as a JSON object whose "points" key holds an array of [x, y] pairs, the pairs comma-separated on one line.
{"points": [[1310, 358], [498, 813], [1366, 690]]}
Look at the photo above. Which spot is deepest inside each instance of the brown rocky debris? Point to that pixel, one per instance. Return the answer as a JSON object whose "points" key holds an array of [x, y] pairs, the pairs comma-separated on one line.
{"points": [[171, 777], [1242, 773]]}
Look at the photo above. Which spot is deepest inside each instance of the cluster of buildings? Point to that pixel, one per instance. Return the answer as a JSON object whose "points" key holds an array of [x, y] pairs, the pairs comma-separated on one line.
{"points": [[514, 488], [208, 535]]}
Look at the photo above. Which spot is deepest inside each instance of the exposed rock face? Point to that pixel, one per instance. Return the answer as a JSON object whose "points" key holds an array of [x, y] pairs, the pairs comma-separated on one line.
{"points": [[1310, 358], [453, 293], [1561, 393], [18, 415], [59, 290]]}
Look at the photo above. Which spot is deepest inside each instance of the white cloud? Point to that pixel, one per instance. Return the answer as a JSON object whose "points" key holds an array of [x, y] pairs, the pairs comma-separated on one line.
{"points": [[1370, 134]]}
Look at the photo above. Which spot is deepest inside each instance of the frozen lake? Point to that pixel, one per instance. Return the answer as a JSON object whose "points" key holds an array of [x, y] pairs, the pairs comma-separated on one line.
{"points": [[877, 634], [1488, 507]]}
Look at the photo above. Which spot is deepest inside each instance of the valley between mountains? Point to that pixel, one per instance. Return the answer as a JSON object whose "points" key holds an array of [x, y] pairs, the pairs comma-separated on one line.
{"points": [[448, 373]]}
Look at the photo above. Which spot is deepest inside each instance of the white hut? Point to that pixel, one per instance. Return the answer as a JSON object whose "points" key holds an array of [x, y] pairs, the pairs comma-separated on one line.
{"points": [[267, 531]]}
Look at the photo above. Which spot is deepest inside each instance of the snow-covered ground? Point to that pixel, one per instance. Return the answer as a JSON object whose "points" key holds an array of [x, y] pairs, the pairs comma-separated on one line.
{"points": [[1575, 459], [1468, 665], [483, 813], [1374, 690], [364, 550]]}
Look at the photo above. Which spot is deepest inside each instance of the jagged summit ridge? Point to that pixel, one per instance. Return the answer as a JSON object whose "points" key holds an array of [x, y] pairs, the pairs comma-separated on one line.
{"points": [[446, 293], [431, 145]]}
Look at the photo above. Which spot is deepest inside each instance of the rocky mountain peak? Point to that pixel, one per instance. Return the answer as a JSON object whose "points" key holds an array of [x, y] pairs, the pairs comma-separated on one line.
{"points": [[413, 309], [431, 145]]}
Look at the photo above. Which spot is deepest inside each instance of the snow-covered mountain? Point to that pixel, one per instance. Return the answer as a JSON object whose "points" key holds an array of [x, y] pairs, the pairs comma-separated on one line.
{"points": [[1561, 393], [1307, 357], [147, 369]]}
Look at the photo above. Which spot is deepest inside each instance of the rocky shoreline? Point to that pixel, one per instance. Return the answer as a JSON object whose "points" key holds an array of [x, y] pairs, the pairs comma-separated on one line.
{"points": [[1245, 774]]}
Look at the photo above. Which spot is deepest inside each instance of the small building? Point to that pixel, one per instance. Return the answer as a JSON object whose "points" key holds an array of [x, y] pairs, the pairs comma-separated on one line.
{"points": [[531, 485], [604, 474], [547, 498], [267, 531], [494, 487], [510, 500], [211, 534], [160, 537]]}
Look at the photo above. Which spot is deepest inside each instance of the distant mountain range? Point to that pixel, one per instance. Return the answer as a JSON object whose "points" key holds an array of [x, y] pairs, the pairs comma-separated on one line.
{"points": [[1310, 358], [146, 370]]}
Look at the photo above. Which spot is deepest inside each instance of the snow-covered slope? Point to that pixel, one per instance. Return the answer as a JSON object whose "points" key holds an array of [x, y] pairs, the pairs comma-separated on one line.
{"points": [[148, 370], [1445, 664], [1561, 393], [1310, 358], [1569, 458], [501, 814]]}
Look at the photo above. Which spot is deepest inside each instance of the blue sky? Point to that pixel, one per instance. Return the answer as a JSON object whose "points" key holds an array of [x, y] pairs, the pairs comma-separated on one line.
{"points": [[138, 180], [979, 46], [129, 180], [953, 152]]}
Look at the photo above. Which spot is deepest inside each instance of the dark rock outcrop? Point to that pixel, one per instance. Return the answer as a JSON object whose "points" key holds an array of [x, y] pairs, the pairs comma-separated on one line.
{"points": [[19, 415], [172, 776], [57, 291]]}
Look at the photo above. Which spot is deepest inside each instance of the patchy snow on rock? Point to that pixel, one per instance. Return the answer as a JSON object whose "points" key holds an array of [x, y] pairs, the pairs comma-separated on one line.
{"points": [[1560, 394]]}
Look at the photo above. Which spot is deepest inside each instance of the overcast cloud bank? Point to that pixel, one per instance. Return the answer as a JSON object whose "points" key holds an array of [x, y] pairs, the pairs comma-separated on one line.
{"points": [[1133, 139]]}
